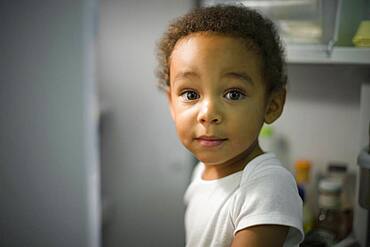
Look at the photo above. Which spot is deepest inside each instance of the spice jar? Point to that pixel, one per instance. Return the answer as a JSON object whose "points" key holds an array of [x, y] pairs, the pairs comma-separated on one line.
{"points": [[331, 219]]}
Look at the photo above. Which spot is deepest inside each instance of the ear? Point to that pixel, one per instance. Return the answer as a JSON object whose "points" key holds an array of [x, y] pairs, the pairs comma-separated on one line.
{"points": [[170, 103], [275, 105]]}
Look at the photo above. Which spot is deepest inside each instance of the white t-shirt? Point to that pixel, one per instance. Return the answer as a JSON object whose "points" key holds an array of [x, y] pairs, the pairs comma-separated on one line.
{"points": [[263, 193]]}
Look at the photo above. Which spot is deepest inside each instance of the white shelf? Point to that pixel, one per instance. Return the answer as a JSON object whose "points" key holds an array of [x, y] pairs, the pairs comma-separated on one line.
{"points": [[317, 54]]}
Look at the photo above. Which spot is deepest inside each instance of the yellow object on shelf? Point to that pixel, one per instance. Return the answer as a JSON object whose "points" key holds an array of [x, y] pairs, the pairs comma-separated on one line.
{"points": [[302, 171], [362, 37]]}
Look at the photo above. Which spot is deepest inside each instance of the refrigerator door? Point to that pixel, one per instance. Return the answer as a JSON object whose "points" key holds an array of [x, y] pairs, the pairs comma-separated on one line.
{"points": [[361, 215], [49, 175]]}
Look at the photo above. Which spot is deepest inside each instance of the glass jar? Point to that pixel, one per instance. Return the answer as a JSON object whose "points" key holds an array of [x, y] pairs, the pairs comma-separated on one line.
{"points": [[332, 219]]}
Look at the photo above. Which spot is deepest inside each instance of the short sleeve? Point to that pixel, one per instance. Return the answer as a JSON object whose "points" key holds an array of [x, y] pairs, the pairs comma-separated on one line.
{"points": [[270, 196]]}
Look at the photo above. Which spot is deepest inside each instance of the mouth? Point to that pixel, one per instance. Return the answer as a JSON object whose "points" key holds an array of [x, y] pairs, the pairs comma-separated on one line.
{"points": [[210, 141]]}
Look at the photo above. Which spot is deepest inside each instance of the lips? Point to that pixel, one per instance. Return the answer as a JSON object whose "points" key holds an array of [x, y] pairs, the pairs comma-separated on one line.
{"points": [[210, 141]]}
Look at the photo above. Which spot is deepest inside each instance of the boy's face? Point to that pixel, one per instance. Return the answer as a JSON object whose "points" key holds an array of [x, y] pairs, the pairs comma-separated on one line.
{"points": [[217, 97]]}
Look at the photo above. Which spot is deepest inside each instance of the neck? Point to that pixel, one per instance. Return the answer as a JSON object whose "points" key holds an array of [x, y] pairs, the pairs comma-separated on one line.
{"points": [[234, 165]]}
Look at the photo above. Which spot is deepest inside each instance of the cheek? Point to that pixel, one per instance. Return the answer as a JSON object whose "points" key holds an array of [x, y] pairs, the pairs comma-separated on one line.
{"points": [[184, 121], [247, 122], [184, 135]]}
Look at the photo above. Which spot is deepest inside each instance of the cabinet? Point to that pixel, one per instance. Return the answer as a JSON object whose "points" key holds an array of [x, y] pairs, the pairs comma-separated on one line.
{"points": [[315, 31]]}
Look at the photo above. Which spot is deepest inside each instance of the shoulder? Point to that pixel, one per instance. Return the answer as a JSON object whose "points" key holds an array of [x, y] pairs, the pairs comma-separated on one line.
{"points": [[268, 195], [265, 180], [266, 167]]}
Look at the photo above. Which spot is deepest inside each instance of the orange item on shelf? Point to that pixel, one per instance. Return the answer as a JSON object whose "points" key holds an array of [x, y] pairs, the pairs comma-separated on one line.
{"points": [[302, 169]]}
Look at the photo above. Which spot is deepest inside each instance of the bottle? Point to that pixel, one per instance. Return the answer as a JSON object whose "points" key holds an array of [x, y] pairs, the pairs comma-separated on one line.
{"points": [[302, 175], [331, 220], [338, 171]]}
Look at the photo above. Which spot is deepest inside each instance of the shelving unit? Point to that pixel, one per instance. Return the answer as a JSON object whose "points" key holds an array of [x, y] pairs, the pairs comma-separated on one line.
{"points": [[319, 54]]}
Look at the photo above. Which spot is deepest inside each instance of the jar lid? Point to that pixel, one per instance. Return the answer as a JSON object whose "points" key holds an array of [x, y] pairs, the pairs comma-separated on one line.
{"points": [[330, 185], [337, 167]]}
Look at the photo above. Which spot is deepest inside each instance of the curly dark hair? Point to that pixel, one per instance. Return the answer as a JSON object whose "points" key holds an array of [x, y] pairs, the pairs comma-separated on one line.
{"points": [[230, 20]]}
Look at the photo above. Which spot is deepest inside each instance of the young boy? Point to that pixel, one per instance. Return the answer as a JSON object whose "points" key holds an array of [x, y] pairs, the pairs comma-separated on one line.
{"points": [[224, 73]]}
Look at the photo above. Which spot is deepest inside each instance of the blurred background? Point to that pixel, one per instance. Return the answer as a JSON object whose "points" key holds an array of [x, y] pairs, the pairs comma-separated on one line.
{"points": [[89, 155]]}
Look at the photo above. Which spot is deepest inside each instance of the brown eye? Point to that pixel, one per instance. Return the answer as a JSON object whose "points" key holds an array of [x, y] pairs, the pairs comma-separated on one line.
{"points": [[234, 95], [189, 95]]}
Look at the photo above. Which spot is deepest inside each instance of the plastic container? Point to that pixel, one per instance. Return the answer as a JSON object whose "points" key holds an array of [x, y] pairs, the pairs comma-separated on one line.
{"points": [[298, 21], [302, 171], [302, 175], [362, 37]]}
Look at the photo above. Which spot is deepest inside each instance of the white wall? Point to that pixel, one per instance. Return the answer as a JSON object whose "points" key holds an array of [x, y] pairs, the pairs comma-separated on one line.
{"points": [[145, 170], [321, 119], [49, 187]]}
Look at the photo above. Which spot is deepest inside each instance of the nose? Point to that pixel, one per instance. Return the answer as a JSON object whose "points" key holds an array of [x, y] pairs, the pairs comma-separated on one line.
{"points": [[209, 113]]}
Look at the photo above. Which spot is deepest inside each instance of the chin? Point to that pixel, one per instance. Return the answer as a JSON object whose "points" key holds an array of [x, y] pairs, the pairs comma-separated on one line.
{"points": [[210, 160]]}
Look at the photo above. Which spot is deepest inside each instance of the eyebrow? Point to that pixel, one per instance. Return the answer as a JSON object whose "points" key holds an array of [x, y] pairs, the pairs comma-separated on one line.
{"points": [[240, 75], [185, 74], [233, 74]]}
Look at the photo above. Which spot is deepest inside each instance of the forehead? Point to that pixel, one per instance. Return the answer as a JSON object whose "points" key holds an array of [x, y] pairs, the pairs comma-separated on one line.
{"points": [[216, 41], [215, 53]]}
